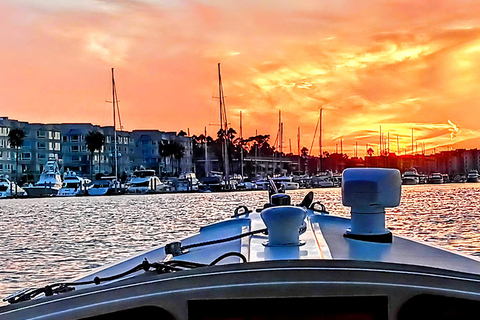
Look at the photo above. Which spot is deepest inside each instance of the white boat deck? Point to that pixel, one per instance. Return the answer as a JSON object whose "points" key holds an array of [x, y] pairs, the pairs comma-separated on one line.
{"points": [[323, 239]]}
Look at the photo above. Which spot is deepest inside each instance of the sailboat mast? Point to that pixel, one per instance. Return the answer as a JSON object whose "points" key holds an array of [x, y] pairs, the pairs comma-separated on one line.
{"points": [[114, 101], [241, 146], [224, 127], [320, 139]]}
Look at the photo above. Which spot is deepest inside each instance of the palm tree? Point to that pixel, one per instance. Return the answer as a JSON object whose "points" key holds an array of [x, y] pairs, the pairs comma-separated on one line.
{"points": [[164, 151], [16, 138], [178, 151], [94, 141]]}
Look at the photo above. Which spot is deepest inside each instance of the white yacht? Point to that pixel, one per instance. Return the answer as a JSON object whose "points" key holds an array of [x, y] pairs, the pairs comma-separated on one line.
{"points": [[73, 185], [411, 177], [49, 183], [145, 181], [7, 188], [106, 185], [282, 261]]}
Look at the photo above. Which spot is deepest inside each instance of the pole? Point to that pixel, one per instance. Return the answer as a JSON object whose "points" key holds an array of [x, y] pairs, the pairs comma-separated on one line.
{"points": [[114, 101], [412, 143], [224, 127], [241, 145], [320, 140], [380, 144]]}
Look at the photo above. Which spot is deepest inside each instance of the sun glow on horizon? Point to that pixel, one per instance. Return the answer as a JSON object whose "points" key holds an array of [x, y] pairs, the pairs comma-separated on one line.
{"points": [[399, 65]]}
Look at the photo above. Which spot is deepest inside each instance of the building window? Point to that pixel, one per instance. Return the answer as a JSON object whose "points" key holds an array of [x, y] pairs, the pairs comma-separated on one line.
{"points": [[41, 134], [75, 158], [74, 149], [41, 145], [41, 156], [26, 156]]}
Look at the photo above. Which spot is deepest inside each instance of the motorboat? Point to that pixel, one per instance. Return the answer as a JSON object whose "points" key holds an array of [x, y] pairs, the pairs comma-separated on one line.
{"points": [[246, 184], [145, 181], [49, 183], [213, 183], [323, 180], [435, 178], [411, 177], [73, 185], [472, 176], [281, 261], [186, 182], [8, 188], [282, 182], [106, 185], [286, 183]]}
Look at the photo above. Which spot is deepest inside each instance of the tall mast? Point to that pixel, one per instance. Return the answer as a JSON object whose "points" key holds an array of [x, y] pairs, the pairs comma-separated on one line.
{"points": [[223, 126], [241, 146], [320, 140], [207, 171], [114, 103]]}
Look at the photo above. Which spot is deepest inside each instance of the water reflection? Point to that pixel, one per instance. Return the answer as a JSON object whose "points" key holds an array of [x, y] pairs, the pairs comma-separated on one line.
{"points": [[55, 239]]}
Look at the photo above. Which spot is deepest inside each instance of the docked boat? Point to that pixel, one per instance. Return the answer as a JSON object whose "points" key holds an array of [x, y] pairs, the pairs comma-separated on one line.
{"points": [[282, 182], [145, 181], [49, 183], [411, 177], [73, 185], [323, 180], [472, 176], [286, 183], [435, 178], [105, 186], [9, 188], [281, 261]]}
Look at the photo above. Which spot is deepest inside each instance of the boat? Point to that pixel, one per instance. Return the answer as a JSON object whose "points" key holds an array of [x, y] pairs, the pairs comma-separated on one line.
{"points": [[49, 183], [213, 183], [323, 180], [105, 186], [281, 182], [411, 177], [7, 188], [73, 185], [145, 181], [187, 182], [284, 260], [246, 184], [286, 183], [472, 176], [435, 178]]}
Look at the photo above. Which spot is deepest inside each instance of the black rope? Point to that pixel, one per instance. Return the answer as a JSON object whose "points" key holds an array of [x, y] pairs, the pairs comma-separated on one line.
{"points": [[226, 255], [238, 236], [160, 267]]}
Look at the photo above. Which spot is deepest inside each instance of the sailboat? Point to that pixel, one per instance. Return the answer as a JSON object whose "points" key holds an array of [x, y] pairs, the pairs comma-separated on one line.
{"points": [[224, 129], [110, 185]]}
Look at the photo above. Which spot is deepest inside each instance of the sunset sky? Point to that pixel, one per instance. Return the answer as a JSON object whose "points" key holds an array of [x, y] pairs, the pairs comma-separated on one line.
{"points": [[395, 64]]}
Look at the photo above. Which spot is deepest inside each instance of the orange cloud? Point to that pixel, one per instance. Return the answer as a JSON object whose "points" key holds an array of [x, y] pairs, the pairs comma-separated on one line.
{"points": [[399, 65]]}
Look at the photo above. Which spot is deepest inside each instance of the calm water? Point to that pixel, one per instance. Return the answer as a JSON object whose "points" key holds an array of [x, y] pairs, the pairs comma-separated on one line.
{"points": [[54, 239]]}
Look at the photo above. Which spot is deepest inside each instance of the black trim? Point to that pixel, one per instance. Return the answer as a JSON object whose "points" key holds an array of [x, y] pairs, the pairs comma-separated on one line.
{"points": [[381, 238]]}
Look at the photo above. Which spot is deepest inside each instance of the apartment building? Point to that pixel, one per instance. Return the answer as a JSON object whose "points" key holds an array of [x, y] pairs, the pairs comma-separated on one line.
{"points": [[147, 152], [66, 142]]}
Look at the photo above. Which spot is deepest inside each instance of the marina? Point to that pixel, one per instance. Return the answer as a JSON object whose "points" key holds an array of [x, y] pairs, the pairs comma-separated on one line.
{"points": [[47, 240]]}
